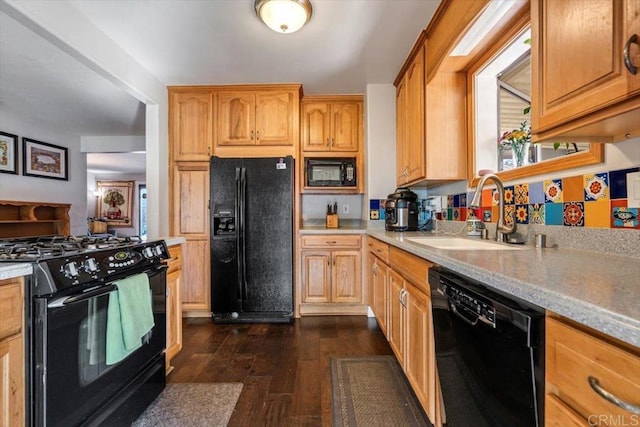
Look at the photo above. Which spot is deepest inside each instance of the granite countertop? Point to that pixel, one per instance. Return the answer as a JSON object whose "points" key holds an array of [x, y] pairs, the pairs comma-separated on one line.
{"points": [[17, 269], [598, 290], [345, 226]]}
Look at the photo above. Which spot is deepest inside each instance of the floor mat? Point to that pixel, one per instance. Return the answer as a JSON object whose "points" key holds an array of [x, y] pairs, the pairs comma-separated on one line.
{"points": [[373, 391], [192, 405]]}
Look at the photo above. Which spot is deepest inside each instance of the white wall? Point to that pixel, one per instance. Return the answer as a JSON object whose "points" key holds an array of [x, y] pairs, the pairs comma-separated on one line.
{"points": [[112, 144], [380, 125], [65, 27], [33, 189]]}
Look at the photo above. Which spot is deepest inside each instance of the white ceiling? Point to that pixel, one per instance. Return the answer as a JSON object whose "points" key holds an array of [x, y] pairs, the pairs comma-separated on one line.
{"points": [[346, 45]]}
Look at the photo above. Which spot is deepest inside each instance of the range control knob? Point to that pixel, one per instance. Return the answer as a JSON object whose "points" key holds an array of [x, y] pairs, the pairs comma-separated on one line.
{"points": [[71, 269], [147, 252], [90, 265]]}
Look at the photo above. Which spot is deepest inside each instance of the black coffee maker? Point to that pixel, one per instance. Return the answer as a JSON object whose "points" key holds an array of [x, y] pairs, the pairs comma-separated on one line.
{"points": [[401, 210]]}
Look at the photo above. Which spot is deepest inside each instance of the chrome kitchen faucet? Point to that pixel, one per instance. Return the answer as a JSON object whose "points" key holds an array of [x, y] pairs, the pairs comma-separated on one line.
{"points": [[502, 229]]}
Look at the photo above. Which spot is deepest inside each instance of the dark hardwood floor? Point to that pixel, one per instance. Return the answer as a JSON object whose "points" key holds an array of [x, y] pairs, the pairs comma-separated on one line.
{"points": [[285, 368]]}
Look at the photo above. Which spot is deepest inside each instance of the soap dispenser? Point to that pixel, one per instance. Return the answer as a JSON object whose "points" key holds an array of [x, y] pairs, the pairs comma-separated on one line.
{"points": [[474, 225]]}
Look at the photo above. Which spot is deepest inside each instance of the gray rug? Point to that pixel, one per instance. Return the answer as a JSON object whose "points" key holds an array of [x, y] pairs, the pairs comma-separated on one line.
{"points": [[373, 391], [191, 405]]}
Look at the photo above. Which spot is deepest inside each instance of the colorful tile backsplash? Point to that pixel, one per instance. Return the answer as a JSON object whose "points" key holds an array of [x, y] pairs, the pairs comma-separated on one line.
{"points": [[592, 200], [597, 200]]}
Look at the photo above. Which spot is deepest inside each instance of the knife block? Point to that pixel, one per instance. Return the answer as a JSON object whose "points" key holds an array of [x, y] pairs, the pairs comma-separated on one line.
{"points": [[332, 220]]}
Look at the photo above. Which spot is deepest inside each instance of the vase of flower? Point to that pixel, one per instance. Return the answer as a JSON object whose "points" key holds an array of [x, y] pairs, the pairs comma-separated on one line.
{"points": [[520, 153], [518, 141]]}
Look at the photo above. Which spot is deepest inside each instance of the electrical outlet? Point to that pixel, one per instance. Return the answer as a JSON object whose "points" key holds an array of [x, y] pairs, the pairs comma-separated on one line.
{"points": [[633, 190], [345, 209]]}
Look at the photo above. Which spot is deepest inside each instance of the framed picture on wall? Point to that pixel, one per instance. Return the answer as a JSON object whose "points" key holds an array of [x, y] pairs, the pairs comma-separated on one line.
{"points": [[115, 202], [44, 160], [8, 153]]}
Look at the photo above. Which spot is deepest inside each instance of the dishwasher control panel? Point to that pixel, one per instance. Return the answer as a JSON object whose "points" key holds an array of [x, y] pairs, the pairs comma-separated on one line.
{"points": [[471, 303]]}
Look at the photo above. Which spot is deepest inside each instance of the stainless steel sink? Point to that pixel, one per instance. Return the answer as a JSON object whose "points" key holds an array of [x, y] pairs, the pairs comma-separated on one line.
{"points": [[462, 244]]}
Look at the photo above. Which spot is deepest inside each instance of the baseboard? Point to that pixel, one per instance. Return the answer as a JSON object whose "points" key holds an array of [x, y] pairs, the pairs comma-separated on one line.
{"points": [[333, 309]]}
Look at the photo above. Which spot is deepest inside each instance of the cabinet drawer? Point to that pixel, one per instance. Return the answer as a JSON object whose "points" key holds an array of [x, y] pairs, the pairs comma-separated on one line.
{"points": [[175, 262], [557, 414], [412, 267], [574, 355], [378, 248], [11, 308], [331, 241]]}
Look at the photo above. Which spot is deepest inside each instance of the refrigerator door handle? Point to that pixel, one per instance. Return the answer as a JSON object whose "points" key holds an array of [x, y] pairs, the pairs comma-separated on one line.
{"points": [[238, 220], [243, 201]]}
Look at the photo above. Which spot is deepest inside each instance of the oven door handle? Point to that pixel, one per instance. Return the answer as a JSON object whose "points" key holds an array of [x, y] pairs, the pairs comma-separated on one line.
{"points": [[61, 302]]}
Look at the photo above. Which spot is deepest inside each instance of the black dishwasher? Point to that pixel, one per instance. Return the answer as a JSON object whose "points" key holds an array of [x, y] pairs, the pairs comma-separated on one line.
{"points": [[489, 353]]}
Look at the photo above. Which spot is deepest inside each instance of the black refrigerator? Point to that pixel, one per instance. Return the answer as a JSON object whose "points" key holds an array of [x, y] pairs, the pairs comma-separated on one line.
{"points": [[252, 239]]}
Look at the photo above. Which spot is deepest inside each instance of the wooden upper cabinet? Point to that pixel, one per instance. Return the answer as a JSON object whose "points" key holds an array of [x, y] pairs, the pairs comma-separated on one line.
{"points": [[410, 97], [256, 118], [236, 118], [191, 200], [332, 124], [191, 116], [578, 66]]}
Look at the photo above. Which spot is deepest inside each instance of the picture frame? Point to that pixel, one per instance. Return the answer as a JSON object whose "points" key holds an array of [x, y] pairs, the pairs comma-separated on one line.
{"points": [[8, 153], [115, 202], [44, 160]]}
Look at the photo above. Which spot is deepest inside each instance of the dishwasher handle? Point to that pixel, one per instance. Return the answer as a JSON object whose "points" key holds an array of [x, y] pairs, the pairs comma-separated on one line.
{"points": [[463, 314]]}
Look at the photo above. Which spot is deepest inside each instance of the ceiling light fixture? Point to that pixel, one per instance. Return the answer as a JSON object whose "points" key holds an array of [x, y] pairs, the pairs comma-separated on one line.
{"points": [[284, 16]]}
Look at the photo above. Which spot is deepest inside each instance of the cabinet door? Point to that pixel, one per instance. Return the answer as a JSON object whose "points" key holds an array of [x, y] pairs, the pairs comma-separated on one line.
{"points": [[274, 118], [402, 169], [174, 316], [12, 384], [196, 285], [346, 121], [316, 276], [236, 118], [420, 356], [415, 119], [191, 125], [346, 285], [380, 293], [316, 126], [191, 200], [579, 58], [396, 315]]}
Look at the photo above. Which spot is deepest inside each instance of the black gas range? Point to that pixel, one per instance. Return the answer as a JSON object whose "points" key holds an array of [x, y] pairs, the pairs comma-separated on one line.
{"points": [[72, 376], [62, 263]]}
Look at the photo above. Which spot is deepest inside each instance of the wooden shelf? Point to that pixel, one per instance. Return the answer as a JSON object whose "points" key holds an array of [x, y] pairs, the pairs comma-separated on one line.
{"points": [[20, 219]]}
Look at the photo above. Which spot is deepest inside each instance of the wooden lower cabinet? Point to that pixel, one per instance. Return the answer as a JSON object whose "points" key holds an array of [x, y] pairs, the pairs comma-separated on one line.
{"points": [[196, 285], [396, 327], [420, 364], [174, 305], [12, 363], [407, 319], [378, 277], [331, 269], [190, 219], [582, 366]]}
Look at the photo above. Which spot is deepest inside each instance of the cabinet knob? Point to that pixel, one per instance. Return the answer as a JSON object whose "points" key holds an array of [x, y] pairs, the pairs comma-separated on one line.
{"points": [[252, 135], [633, 69], [333, 142], [257, 135], [328, 142]]}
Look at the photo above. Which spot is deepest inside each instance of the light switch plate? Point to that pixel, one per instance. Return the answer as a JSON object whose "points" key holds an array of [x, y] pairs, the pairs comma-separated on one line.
{"points": [[633, 190]]}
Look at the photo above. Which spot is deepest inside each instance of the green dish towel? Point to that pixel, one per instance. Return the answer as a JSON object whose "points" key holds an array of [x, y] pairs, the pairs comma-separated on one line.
{"points": [[129, 317]]}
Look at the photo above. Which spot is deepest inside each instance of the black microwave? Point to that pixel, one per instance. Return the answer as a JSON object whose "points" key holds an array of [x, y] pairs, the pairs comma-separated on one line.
{"points": [[331, 172]]}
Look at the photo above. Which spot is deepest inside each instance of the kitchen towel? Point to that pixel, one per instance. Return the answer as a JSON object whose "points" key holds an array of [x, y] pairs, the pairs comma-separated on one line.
{"points": [[129, 317]]}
